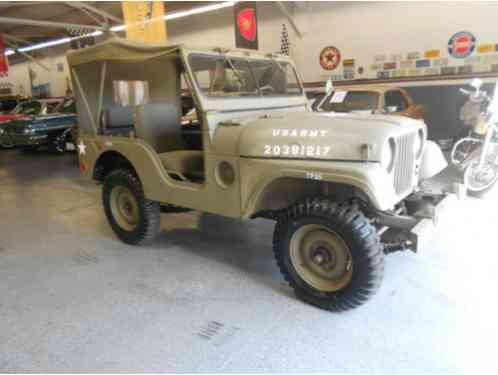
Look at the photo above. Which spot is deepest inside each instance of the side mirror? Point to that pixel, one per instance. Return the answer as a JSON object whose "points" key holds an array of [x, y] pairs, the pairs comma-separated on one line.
{"points": [[329, 86], [476, 83], [391, 109]]}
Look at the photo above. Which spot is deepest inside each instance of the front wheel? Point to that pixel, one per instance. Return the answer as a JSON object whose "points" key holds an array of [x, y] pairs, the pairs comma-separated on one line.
{"points": [[134, 219], [329, 253], [477, 180]]}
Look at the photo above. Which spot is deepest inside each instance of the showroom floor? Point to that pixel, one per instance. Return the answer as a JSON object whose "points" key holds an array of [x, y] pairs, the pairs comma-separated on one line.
{"points": [[206, 296]]}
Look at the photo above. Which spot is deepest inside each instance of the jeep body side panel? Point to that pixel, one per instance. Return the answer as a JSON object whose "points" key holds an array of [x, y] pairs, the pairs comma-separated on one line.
{"points": [[159, 186]]}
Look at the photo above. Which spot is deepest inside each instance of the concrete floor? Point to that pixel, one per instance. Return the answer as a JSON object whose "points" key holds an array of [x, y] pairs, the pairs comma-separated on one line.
{"points": [[206, 296]]}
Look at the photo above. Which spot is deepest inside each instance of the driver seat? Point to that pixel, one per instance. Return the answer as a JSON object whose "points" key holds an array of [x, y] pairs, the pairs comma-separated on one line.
{"points": [[159, 126]]}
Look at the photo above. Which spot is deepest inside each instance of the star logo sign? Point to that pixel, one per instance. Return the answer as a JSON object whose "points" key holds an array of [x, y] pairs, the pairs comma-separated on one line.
{"points": [[330, 57], [82, 148]]}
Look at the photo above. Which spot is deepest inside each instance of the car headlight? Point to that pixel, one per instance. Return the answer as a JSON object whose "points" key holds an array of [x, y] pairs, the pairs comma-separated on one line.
{"points": [[388, 155], [418, 145], [28, 131]]}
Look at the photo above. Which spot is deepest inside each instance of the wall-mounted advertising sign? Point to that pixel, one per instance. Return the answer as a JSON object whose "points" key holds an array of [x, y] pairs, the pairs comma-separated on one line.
{"points": [[330, 58], [246, 25], [461, 44]]}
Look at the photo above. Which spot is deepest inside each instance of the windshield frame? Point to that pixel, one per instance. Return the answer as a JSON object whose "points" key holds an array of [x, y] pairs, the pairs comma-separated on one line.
{"points": [[248, 59]]}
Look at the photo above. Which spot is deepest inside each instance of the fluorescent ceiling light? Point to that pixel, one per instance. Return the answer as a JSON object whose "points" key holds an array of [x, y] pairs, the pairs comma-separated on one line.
{"points": [[171, 16], [185, 13]]}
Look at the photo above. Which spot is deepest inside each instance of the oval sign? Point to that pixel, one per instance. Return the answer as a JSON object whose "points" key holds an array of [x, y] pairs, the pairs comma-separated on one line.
{"points": [[461, 44]]}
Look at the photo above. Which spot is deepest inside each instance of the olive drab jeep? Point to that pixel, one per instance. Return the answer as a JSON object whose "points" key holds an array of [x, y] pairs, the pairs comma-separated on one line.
{"points": [[229, 132]]}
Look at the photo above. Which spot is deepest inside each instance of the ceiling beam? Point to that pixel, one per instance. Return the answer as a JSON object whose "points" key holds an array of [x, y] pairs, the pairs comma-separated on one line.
{"points": [[289, 17], [60, 25], [16, 38], [76, 5], [100, 12]]}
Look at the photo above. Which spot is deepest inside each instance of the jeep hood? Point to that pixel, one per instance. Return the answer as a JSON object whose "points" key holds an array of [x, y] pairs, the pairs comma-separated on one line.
{"points": [[312, 135]]}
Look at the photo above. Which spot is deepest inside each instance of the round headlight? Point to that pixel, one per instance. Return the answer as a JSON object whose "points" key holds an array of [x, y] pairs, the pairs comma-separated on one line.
{"points": [[388, 155], [418, 145]]}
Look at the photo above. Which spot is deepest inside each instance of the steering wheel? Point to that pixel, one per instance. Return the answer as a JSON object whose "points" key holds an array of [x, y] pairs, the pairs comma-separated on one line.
{"points": [[267, 89]]}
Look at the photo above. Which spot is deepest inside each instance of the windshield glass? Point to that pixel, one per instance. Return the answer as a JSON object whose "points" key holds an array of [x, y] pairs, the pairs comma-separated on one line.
{"points": [[221, 76], [348, 101], [67, 106], [52, 107], [27, 108]]}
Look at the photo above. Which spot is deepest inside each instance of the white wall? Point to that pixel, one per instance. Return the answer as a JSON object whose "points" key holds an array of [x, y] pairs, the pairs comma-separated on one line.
{"points": [[19, 76], [360, 30]]}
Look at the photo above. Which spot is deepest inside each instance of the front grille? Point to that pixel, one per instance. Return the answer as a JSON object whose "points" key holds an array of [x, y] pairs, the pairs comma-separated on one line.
{"points": [[405, 162]]}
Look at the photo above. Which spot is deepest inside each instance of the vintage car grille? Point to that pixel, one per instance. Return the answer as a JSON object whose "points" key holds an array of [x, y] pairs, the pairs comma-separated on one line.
{"points": [[405, 162]]}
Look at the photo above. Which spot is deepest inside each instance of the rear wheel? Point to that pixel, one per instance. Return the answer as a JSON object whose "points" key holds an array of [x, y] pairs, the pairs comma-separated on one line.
{"points": [[134, 219], [330, 254]]}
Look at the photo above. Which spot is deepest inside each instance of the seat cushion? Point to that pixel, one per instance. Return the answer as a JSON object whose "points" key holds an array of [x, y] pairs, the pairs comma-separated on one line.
{"points": [[186, 162]]}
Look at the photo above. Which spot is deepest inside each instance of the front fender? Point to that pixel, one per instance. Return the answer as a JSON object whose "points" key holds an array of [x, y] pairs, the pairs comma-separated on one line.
{"points": [[258, 175]]}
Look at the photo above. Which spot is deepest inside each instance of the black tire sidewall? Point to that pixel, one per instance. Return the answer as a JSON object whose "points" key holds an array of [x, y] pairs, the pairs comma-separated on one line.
{"points": [[129, 180], [367, 268]]}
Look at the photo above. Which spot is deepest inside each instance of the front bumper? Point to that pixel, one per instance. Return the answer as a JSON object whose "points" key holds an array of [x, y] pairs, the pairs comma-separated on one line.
{"points": [[416, 230], [423, 233]]}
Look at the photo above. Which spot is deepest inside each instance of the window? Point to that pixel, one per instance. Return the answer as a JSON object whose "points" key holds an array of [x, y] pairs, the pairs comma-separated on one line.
{"points": [[67, 106], [222, 76], [396, 99], [52, 107], [28, 108], [348, 101], [275, 78], [128, 93]]}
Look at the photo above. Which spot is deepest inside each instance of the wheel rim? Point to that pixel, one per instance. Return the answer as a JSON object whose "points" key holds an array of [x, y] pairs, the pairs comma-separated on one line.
{"points": [[478, 179], [321, 258], [124, 208]]}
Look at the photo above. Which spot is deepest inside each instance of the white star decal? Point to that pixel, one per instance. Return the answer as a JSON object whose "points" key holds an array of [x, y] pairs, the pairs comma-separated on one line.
{"points": [[82, 148]]}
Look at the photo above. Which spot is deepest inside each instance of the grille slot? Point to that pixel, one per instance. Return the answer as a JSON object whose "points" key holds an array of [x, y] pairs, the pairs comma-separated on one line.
{"points": [[405, 161]]}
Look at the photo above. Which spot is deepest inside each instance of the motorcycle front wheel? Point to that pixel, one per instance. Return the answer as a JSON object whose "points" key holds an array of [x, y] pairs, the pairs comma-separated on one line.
{"points": [[479, 181]]}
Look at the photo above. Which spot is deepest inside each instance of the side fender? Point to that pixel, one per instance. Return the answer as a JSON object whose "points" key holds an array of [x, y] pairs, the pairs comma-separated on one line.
{"points": [[433, 161]]}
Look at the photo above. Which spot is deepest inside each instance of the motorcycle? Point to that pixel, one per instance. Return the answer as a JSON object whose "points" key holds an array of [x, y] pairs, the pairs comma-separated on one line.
{"points": [[476, 154]]}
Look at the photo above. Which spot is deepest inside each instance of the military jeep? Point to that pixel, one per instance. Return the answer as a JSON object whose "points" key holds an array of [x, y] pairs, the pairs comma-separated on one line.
{"points": [[342, 188]]}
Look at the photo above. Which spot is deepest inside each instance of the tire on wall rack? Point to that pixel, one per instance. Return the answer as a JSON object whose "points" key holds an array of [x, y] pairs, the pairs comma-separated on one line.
{"points": [[133, 218], [329, 253]]}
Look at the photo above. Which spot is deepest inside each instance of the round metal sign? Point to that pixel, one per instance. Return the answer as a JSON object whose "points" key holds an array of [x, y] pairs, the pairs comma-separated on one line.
{"points": [[330, 57], [461, 44]]}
